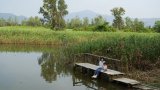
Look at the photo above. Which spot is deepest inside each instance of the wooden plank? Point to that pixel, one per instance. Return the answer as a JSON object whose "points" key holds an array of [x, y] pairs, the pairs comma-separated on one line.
{"points": [[94, 67], [144, 87], [127, 81]]}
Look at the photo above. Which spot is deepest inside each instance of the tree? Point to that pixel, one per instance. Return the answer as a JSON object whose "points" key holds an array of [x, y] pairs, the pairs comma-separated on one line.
{"points": [[85, 23], [11, 21], [62, 12], [53, 12], [134, 25], [32, 21], [157, 26], [138, 26], [15, 21], [128, 23], [99, 20], [75, 23], [8, 22], [2, 22], [118, 21]]}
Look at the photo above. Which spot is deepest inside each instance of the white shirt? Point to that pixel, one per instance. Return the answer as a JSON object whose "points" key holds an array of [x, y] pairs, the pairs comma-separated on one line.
{"points": [[101, 63]]}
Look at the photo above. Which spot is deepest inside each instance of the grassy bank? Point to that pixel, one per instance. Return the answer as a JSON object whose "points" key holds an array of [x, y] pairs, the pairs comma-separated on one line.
{"points": [[27, 35], [40, 36]]}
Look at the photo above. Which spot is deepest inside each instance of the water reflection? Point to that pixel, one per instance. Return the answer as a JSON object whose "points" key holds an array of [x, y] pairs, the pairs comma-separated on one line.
{"points": [[51, 66], [48, 67], [94, 84]]}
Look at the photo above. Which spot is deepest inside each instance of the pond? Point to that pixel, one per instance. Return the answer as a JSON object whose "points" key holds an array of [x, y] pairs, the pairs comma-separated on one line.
{"points": [[41, 68]]}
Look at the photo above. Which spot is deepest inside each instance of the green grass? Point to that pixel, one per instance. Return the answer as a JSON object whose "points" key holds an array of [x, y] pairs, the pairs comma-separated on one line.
{"points": [[40, 35], [132, 46]]}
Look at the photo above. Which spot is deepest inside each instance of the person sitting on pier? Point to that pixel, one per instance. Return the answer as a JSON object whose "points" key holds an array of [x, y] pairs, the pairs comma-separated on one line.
{"points": [[101, 62], [98, 70]]}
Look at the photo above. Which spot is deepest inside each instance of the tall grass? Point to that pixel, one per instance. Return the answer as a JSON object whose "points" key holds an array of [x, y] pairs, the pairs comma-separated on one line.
{"points": [[40, 35], [141, 49]]}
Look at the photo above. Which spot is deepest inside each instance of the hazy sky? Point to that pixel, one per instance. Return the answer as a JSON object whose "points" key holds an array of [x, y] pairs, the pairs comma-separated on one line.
{"points": [[134, 8]]}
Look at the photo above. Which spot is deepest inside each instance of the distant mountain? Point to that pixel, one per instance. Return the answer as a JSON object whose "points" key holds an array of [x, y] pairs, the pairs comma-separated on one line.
{"points": [[91, 14], [9, 15]]}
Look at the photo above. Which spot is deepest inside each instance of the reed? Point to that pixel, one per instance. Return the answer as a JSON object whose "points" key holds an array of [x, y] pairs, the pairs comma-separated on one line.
{"points": [[141, 49]]}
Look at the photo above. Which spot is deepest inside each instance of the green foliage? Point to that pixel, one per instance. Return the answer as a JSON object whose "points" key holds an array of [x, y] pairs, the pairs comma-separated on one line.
{"points": [[104, 27], [138, 26], [8, 22], [62, 11], [98, 21], [85, 23], [98, 24], [157, 26], [128, 24], [118, 21], [100, 28], [2, 22], [32, 21], [135, 25], [53, 12], [75, 23]]}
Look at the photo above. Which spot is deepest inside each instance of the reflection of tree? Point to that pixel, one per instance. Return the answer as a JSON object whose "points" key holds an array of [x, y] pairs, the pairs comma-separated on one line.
{"points": [[53, 64], [48, 67]]}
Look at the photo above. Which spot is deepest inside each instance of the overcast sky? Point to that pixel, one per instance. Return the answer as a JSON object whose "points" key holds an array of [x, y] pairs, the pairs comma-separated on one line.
{"points": [[134, 8]]}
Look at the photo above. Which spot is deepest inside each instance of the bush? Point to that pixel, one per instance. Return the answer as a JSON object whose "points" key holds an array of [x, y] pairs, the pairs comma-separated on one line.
{"points": [[100, 28], [157, 26]]}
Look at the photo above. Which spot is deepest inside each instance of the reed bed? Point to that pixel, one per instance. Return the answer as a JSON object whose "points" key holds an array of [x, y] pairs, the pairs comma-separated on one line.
{"points": [[142, 50], [40, 35]]}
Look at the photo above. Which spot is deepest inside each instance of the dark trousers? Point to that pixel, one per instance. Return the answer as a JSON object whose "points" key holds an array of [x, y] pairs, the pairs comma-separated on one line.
{"points": [[98, 70]]}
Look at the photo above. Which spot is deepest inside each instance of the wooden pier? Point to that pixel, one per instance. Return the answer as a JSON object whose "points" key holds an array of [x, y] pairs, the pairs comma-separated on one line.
{"points": [[94, 67], [127, 81], [113, 74], [110, 73]]}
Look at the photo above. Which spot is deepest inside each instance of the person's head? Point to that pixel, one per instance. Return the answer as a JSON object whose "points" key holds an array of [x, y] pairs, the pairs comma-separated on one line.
{"points": [[102, 59]]}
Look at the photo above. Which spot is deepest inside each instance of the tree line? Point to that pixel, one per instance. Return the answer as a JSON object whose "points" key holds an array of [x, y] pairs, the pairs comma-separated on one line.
{"points": [[31, 21], [8, 22]]}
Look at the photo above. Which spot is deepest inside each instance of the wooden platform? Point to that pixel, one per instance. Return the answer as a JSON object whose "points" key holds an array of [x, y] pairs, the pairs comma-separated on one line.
{"points": [[94, 67], [111, 73], [127, 81], [143, 87]]}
